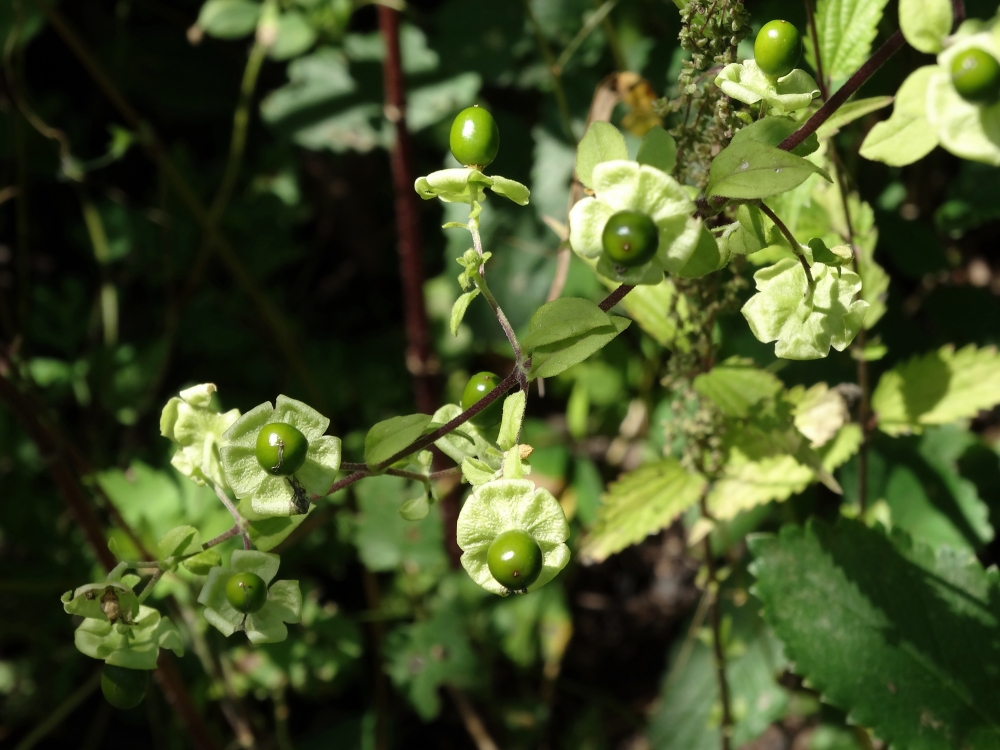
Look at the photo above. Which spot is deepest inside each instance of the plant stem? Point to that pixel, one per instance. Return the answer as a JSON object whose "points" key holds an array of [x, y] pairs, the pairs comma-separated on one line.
{"points": [[432, 477], [508, 329], [148, 588], [719, 652], [224, 498], [892, 45], [616, 296], [586, 30], [59, 714], [223, 537], [419, 358], [958, 11], [796, 248], [824, 89]]}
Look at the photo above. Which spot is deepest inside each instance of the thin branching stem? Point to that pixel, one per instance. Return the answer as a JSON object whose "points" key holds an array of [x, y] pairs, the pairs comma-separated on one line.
{"points": [[223, 536], [824, 89], [148, 588], [796, 247], [233, 511]]}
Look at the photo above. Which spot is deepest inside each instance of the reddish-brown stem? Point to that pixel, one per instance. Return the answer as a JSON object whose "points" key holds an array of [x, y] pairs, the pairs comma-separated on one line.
{"points": [[418, 354], [892, 45], [616, 296], [796, 247], [222, 537], [821, 79]]}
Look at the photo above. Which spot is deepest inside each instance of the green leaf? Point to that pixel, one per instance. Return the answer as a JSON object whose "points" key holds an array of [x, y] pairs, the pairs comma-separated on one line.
{"points": [[658, 149], [937, 388], [385, 541], [180, 542], [229, 19], [771, 131], [755, 170], [736, 385], [846, 30], [458, 185], [820, 413], [513, 415], [657, 309], [295, 36], [641, 503], [838, 255], [465, 442], [477, 472], [925, 23], [134, 646], [907, 135], [746, 484], [389, 437], [203, 562], [423, 656], [266, 533], [851, 112], [708, 256], [900, 637], [416, 508], [510, 189], [196, 428], [459, 308], [551, 359], [86, 601], [966, 129], [563, 318], [746, 82], [602, 142], [506, 504], [805, 321]]}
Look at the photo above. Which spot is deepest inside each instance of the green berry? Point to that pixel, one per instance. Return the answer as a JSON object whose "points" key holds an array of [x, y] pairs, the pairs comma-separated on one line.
{"points": [[976, 75], [281, 449], [778, 48], [478, 386], [124, 688], [475, 138], [630, 238], [247, 592], [515, 559]]}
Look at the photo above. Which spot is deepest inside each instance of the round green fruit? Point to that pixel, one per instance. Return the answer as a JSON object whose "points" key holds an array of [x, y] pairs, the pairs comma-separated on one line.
{"points": [[976, 75], [281, 449], [630, 238], [478, 386], [514, 559], [246, 592], [475, 138], [124, 688], [778, 48]]}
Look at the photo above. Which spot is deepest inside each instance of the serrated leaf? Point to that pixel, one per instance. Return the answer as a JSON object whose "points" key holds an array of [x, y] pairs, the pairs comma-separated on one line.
{"points": [[563, 318], [551, 359], [510, 424], [755, 170], [805, 321], [900, 637], [907, 135], [180, 542], [641, 503], [937, 388], [925, 23], [846, 30], [602, 142], [658, 149], [229, 19], [736, 385], [459, 308], [746, 484], [390, 436]]}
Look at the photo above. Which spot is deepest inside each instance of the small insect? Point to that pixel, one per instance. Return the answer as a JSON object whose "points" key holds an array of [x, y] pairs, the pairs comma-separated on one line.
{"points": [[300, 499], [110, 605]]}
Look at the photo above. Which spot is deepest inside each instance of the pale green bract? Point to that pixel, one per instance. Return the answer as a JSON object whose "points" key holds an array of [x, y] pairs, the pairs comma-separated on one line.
{"points": [[134, 646], [266, 625], [505, 504], [271, 495], [805, 321], [628, 186], [746, 83], [466, 185], [190, 422]]}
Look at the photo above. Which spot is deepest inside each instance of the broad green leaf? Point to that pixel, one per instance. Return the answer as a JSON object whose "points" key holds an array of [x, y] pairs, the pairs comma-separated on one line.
{"points": [[708, 256], [563, 318], [295, 36], [820, 413], [513, 415], [203, 562], [390, 436], [511, 190], [477, 472], [805, 321], [602, 142], [459, 308], [907, 136], [458, 185], [771, 131], [268, 532], [416, 508], [421, 657], [851, 112], [755, 170], [658, 310], [641, 503], [745, 484], [551, 359], [846, 30], [385, 541], [966, 129], [937, 388], [901, 637], [925, 23], [658, 149], [229, 19], [506, 504], [180, 542], [736, 385]]}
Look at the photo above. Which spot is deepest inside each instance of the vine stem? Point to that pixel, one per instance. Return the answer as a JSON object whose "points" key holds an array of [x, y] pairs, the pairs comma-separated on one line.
{"points": [[148, 588], [508, 329], [615, 297], [891, 46], [715, 617], [796, 248], [824, 89], [224, 499], [223, 537], [59, 714], [419, 358]]}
